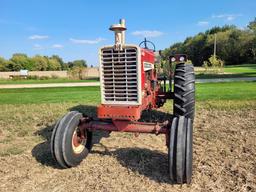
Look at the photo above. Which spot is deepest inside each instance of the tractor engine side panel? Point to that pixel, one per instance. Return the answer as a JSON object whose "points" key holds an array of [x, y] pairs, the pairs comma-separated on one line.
{"points": [[149, 79]]}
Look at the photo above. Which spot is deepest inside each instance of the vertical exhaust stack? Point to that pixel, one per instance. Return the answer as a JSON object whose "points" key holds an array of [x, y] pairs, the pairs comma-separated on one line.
{"points": [[119, 30]]}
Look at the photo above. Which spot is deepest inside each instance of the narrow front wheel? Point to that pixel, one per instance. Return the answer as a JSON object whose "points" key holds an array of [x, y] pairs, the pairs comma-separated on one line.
{"points": [[180, 150], [68, 145]]}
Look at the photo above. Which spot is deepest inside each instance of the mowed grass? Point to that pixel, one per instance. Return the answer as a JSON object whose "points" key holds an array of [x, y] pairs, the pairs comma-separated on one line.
{"points": [[50, 95], [246, 68], [226, 91], [230, 71], [91, 95], [44, 81]]}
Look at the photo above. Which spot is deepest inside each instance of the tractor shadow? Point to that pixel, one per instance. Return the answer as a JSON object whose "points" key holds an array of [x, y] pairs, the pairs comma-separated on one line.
{"points": [[42, 151], [152, 164], [155, 116]]}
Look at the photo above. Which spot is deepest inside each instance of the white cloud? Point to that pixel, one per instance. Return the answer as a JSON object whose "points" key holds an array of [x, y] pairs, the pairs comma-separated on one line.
{"points": [[86, 41], [57, 46], [228, 17], [202, 23], [147, 33], [231, 17], [38, 47], [38, 37]]}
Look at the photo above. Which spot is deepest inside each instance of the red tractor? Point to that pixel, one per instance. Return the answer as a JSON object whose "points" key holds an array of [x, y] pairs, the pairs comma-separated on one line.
{"points": [[130, 85]]}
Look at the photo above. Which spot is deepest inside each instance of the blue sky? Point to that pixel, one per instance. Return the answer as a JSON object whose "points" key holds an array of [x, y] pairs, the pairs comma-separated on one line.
{"points": [[76, 29]]}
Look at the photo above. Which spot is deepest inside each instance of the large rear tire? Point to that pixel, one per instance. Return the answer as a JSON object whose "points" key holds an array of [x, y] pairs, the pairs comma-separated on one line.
{"points": [[184, 91], [180, 150], [67, 147]]}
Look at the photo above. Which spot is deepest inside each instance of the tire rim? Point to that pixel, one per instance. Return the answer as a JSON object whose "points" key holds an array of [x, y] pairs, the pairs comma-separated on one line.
{"points": [[78, 144]]}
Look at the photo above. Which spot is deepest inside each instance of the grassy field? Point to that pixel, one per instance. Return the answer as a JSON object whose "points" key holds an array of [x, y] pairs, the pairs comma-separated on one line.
{"points": [[205, 91], [246, 68], [43, 81], [224, 143], [230, 71]]}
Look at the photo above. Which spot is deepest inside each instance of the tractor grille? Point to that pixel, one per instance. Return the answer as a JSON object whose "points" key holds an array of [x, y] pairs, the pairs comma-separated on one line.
{"points": [[119, 75]]}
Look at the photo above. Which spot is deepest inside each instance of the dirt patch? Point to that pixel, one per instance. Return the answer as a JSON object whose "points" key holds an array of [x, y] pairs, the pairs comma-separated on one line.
{"points": [[224, 155]]}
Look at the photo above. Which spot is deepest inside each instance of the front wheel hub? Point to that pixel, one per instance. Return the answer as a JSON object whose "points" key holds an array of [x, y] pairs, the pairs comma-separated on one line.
{"points": [[78, 142]]}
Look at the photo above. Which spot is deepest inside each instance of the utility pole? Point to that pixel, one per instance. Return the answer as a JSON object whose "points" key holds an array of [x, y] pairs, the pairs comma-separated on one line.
{"points": [[215, 45]]}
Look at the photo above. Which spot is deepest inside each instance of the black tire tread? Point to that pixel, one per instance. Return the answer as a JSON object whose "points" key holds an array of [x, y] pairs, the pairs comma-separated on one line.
{"points": [[189, 151], [171, 150], [180, 150], [58, 152], [64, 141], [184, 91]]}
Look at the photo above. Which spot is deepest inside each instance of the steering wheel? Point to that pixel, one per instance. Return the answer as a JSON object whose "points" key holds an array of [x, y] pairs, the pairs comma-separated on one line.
{"points": [[145, 43]]}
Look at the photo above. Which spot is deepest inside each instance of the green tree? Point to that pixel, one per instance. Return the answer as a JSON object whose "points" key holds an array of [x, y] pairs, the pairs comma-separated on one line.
{"points": [[217, 29], [22, 61], [63, 65], [53, 64], [214, 63], [3, 64], [77, 68], [234, 45], [252, 25], [41, 63], [78, 63], [11, 66]]}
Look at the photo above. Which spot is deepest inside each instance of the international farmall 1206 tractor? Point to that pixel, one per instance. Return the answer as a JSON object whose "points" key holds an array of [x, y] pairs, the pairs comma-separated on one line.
{"points": [[130, 85]]}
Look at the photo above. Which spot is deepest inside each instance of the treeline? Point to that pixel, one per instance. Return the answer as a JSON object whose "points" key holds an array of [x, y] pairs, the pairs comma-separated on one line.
{"points": [[234, 45], [20, 61]]}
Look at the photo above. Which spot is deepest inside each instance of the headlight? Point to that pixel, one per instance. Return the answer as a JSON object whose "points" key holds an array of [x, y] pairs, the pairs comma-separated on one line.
{"points": [[182, 58], [173, 59]]}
